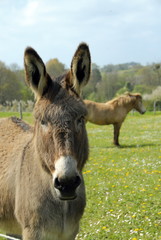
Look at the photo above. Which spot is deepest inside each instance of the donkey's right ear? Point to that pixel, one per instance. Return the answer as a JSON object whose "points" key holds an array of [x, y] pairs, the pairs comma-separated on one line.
{"points": [[80, 67], [35, 72]]}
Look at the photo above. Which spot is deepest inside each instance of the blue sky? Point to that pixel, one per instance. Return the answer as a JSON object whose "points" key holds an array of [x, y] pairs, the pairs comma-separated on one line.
{"points": [[117, 31]]}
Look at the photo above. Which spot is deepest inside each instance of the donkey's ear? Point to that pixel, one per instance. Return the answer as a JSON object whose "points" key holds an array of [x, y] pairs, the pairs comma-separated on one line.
{"points": [[35, 72], [81, 67]]}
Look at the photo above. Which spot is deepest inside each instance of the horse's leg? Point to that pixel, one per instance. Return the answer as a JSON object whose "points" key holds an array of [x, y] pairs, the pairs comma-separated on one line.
{"points": [[117, 127]]}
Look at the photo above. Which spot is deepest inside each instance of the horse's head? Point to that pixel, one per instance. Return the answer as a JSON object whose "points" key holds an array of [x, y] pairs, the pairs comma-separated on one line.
{"points": [[138, 103], [60, 137]]}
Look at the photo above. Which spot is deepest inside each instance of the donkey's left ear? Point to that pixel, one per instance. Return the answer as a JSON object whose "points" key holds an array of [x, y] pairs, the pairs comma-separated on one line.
{"points": [[35, 71], [81, 67]]}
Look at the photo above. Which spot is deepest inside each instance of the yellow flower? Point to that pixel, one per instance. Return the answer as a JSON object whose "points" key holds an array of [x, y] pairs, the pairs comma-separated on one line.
{"points": [[138, 229], [134, 239], [143, 190], [87, 172], [105, 228]]}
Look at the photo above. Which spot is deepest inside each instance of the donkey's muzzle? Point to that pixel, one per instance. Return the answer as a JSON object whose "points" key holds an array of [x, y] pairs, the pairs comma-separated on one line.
{"points": [[67, 187]]}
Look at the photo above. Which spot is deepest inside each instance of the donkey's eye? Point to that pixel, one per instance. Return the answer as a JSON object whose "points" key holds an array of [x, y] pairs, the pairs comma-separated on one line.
{"points": [[43, 122], [79, 124], [80, 120]]}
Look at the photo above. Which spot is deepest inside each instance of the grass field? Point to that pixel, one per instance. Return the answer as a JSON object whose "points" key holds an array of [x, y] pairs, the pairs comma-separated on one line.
{"points": [[123, 185]]}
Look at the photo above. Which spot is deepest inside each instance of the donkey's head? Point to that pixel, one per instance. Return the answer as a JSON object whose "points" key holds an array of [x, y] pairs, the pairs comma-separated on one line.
{"points": [[60, 137]]}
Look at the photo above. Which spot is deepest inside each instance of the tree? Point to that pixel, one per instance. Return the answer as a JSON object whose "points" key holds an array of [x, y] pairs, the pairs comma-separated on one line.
{"points": [[93, 84], [55, 68], [12, 84], [157, 70], [9, 86], [129, 86]]}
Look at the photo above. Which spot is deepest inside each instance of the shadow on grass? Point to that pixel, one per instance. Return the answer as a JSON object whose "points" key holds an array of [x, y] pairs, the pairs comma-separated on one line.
{"points": [[140, 145], [129, 146]]}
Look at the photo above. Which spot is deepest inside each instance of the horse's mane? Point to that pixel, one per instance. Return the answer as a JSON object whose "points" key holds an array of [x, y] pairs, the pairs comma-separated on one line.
{"points": [[124, 98]]}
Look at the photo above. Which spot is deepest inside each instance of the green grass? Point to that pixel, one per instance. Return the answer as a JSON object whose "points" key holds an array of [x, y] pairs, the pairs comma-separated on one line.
{"points": [[123, 184], [26, 116]]}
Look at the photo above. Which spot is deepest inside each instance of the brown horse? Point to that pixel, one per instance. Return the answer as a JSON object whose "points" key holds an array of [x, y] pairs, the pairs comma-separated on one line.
{"points": [[41, 182], [114, 111]]}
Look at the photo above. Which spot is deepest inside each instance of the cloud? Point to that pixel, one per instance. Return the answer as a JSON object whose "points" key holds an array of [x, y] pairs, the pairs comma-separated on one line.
{"points": [[116, 30], [29, 13]]}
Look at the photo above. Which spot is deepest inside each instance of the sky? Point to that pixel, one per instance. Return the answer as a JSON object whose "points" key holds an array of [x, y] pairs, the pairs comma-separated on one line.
{"points": [[117, 31]]}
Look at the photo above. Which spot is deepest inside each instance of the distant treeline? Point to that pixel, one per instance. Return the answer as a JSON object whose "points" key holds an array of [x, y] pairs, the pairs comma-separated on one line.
{"points": [[105, 83]]}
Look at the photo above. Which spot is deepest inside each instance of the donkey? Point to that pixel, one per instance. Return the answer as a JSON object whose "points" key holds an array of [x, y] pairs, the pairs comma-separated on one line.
{"points": [[42, 192], [114, 111]]}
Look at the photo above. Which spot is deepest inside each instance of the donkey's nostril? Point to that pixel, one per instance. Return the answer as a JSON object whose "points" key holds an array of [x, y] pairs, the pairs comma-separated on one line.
{"points": [[57, 184], [67, 184], [67, 187], [77, 181]]}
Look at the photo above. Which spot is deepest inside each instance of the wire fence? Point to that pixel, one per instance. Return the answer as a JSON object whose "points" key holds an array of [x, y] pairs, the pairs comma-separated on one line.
{"points": [[8, 237]]}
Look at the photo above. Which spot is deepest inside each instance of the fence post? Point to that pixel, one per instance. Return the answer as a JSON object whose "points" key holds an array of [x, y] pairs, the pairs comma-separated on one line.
{"points": [[154, 107], [20, 110]]}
